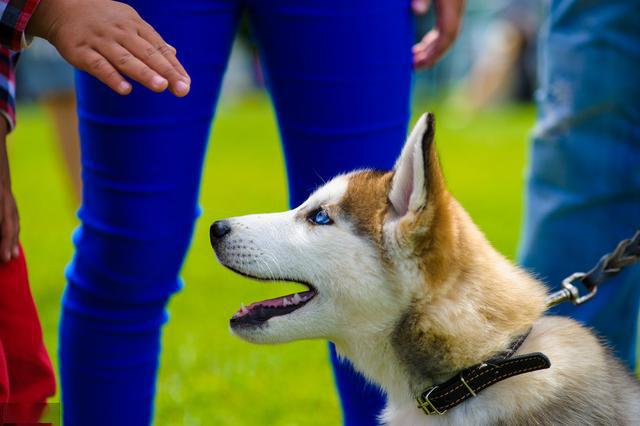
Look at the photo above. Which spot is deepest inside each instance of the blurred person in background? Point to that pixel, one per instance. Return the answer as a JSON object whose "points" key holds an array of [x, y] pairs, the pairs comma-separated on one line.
{"points": [[45, 77], [504, 68], [583, 186], [583, 182]]}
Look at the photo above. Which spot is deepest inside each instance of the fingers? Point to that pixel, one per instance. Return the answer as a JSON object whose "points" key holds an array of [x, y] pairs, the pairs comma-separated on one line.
{"points": [[431, 48], [4, 231], [130, 65], [153, 66], [9, 229], [173, 59], [15, 250], [153, 71], [97, 65], [5, 244], [16, 234], [150, 35], [420, 7], [427, 52], [158, 56]]}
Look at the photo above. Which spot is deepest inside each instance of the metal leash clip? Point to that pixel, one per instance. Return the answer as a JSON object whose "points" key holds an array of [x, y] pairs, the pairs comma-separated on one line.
{"points": [[625, 254], [570, 292], [575, 296]]}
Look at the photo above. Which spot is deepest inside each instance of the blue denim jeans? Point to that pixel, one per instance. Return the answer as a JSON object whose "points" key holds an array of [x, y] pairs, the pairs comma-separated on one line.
{"points": [[583, 190]]}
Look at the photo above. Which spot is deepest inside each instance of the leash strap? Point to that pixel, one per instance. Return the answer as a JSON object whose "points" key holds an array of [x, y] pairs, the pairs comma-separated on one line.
{"points": [[626, 253], [470, 381]]}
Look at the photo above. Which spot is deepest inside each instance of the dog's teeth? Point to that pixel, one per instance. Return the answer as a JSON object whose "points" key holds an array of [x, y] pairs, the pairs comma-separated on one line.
{"points": [[243, 309], [285, 302], [296, 299]]}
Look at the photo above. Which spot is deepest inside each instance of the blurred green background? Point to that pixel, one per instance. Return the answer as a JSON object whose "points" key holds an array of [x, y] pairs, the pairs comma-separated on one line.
{"points": [[208, 377]]}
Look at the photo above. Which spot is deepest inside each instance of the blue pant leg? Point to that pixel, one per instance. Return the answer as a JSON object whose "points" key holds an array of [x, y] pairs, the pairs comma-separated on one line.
{"points": [[583, 192], [142, 156], [340, 76]]}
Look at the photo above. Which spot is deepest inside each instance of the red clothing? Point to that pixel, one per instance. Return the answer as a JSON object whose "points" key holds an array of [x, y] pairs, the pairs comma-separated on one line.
{"points": [[26, 374]]}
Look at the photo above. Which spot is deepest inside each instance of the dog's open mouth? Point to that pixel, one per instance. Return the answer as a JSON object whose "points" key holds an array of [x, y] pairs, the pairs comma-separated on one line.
{"points": [[258, 313]]}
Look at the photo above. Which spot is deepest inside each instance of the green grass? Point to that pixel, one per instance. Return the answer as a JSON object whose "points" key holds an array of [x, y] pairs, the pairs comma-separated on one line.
{"points": [[209, 377]]}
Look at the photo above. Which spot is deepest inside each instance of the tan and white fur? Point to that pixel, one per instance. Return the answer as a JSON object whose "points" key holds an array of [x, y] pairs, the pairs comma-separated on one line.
{"points": [[411, 292]]}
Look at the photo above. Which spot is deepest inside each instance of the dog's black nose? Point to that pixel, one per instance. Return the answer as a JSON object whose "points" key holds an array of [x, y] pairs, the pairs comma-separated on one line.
{"points": [[219, 229]]}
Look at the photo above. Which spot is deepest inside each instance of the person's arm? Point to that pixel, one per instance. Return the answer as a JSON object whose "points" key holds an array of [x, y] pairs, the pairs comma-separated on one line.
{"points": [[8, 61], [14, 16], [436, 42], [9, 221]]}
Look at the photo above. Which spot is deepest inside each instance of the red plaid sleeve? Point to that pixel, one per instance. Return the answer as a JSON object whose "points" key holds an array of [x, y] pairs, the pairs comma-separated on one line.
{"points": [[8, 60], [14, 16]]}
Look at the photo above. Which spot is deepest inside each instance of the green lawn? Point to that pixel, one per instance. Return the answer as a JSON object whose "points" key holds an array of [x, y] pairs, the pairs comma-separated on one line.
{"points": [[209, 377]]}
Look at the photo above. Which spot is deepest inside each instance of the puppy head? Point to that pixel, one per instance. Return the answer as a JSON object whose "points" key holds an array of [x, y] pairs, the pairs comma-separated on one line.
{"points": [[357, 245]]}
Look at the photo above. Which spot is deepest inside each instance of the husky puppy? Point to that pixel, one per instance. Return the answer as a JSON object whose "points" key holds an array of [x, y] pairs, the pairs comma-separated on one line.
{"points": [[410, 291]]}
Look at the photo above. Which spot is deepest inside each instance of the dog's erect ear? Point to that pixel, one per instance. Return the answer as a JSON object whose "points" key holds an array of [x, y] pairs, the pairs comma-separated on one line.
{"points": [[417, 176]]}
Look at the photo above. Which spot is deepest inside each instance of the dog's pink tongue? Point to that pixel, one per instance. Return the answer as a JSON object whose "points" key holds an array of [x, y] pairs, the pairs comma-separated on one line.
{"points": [[279, 302]]}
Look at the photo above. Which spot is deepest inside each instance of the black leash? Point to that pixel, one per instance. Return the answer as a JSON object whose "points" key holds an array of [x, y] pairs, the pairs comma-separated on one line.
{"points": [[627, 253]]}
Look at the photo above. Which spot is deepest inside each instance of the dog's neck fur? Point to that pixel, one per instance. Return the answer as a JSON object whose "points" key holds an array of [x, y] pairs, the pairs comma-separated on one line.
{"points": [[475, 317]]}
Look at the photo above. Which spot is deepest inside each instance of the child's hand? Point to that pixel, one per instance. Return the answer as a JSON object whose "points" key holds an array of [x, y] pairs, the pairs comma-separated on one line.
{"points": [[9, 222], [107, 39]]}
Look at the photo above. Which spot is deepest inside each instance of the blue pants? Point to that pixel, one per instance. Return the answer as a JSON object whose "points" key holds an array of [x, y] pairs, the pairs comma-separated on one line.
{"points": [[339, 74], [583, 193]]}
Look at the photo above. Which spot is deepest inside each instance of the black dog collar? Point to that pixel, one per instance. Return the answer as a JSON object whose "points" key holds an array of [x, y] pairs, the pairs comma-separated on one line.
{"points": [[439, 398]]}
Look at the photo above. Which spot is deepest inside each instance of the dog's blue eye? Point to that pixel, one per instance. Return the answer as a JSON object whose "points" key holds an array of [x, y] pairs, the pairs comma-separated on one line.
{"points": [[321, 217]]}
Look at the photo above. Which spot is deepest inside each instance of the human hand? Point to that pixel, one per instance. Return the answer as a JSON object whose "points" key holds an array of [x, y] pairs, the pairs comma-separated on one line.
{"points": [[9, 222], [107, 39], [436, 42]]}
